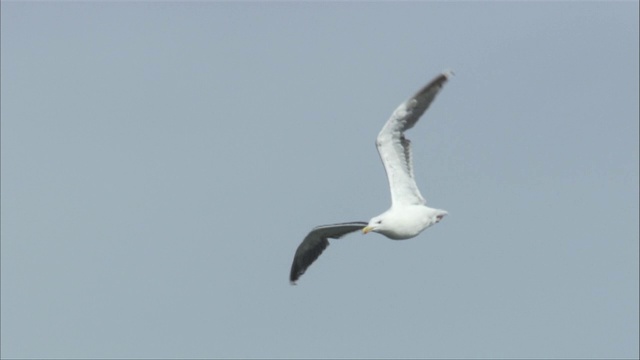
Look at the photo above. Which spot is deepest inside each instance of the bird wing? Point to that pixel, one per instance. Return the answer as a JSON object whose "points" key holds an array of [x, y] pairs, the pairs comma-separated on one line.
{"points": [[395, 149], [315, 242]]}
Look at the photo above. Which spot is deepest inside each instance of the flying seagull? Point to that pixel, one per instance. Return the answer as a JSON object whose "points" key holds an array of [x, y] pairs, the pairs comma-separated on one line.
{"points": [[408, 215]]}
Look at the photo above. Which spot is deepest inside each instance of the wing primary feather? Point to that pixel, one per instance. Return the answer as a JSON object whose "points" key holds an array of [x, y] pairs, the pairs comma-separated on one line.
{"points": [[316, 242]]}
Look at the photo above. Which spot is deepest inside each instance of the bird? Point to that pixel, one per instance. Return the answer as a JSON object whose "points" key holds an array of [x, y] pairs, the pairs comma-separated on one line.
{"points": [[408, 215]]}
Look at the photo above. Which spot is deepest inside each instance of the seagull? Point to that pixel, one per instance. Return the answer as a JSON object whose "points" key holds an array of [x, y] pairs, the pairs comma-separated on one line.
{"points": [[408, 215]]}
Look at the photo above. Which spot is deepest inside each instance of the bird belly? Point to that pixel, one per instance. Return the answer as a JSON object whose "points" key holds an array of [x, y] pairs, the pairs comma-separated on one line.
{"points": [[409, 222]]}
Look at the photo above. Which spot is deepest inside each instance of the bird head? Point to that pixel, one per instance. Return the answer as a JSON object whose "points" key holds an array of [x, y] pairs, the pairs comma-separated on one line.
{"points": [[375, 224]]}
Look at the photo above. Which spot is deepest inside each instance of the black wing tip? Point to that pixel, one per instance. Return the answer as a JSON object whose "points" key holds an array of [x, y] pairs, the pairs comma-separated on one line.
{"points": [[434, 86], [296, 272], [302, 260], [295, 275], [442, 78]]}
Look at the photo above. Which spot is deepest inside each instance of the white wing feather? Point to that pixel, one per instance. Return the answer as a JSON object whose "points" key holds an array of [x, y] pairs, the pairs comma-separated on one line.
{"points": [[395, 149]]}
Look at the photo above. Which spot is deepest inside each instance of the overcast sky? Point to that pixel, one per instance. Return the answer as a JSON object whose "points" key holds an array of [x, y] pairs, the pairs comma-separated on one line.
{"points": [[162, 161]]}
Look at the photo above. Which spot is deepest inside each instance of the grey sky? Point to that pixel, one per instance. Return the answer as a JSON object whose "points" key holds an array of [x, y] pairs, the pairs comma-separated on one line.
{"points": [[162, 161]]}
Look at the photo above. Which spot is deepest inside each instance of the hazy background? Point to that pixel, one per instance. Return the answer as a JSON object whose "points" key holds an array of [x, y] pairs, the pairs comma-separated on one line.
{"points": [[162, 161]]}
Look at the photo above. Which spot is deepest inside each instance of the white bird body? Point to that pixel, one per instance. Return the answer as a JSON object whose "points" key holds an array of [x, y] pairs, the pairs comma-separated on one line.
{"points": [[408, 215], [407, 221]]}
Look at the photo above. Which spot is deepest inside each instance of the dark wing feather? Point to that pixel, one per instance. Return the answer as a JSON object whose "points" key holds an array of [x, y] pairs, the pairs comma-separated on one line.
{"points": [[419, 103], [315, 242]]}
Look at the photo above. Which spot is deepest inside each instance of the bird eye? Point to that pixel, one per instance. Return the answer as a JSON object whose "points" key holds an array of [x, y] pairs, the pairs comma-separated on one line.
{"points": [[379, 222]]}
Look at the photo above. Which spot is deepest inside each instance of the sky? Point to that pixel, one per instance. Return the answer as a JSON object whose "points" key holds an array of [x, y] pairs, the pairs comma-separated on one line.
{"points": [[162, 161]]}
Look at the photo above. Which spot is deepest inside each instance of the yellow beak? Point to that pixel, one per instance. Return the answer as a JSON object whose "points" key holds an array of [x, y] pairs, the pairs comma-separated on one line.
{"points": [[367, 229]]}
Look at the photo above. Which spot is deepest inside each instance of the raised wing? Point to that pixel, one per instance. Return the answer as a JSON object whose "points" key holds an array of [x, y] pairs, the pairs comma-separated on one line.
{"points": [[314, 244], [395, 149]]}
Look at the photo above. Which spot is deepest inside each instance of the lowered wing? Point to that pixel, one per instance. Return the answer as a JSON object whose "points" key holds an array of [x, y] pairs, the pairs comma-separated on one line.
{"points": [[316, 241]]}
